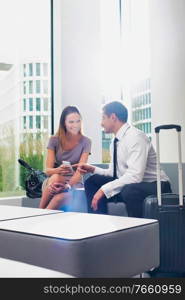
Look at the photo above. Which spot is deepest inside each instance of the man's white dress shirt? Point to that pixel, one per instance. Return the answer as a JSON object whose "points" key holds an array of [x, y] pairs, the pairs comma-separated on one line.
{"points": [[136, 161]]}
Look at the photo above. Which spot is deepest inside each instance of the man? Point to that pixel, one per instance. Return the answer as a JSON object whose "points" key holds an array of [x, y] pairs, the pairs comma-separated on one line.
{"points": [[131, 175]]}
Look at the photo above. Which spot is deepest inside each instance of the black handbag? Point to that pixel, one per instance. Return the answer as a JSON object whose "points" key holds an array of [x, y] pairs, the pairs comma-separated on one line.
{"points": [[34, 180]]}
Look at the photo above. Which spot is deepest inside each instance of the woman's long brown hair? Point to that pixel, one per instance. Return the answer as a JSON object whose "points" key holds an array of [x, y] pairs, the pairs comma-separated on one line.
{"points": [[61, 133]]}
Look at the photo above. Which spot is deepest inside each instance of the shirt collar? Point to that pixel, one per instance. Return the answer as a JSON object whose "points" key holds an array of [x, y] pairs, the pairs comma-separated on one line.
{"points": [[121, 132]]}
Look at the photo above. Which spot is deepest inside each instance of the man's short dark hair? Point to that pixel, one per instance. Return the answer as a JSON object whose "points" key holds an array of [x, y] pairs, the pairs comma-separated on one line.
{"points": [[116, 108]]}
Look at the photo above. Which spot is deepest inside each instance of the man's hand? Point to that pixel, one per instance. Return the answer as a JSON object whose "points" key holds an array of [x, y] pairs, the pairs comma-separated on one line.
{"points": [[84, 168], [96, 199]]}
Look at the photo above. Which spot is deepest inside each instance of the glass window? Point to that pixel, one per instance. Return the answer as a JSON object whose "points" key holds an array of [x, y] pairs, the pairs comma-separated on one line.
{"points": [[24, 41], [148, 83], [30, 69], [45, 86], [24, 122], [45, 69], [144, 96], [38, 86], [37, 69], [24, 70], [30, 104], [38, 122], [147, 128], [143, 100], [149, 112], [24, 87], [38, 104], [24, 104], [45, 122], [30, 86], [133, 103], [136, 116], [149, 95], [133, 116], [45, 103], [31, 122], [144, 113], [150, 128]]}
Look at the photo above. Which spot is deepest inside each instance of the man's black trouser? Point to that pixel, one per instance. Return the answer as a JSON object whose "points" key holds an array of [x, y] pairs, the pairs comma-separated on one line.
{"points": [[132, 194]]}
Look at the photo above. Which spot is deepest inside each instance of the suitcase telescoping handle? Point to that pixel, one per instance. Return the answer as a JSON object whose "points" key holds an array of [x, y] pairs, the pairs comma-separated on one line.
{"points": [[178, 129], [170, 126]]}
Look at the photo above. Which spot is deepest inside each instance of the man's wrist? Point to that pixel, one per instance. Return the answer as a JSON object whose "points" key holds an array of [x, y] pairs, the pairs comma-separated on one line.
{"points": [[92, 169]]}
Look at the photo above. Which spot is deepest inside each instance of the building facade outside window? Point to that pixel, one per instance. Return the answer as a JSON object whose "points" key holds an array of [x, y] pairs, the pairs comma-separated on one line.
{"points": [[24, 122], [30, 87], [45, 122], [24, 70], [24, 87], [38, 104], [38, 88], [38, 69], [38, 122], [45, 104], [30, 104], [45, 69], [24, 104], [45, 86], [30, 69], [30, 122], [141, 106]]}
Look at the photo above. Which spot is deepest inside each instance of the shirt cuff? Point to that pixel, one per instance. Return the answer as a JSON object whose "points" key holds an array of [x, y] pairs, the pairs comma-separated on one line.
{"points": [[108, 190], [99, 171]]}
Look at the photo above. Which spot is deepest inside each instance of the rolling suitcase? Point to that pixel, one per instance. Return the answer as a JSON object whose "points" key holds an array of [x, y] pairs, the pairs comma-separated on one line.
{"points": [[169, 209]]}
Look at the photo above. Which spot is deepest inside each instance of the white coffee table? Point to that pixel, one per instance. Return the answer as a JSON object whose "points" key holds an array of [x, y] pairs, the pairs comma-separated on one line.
{"points": [[83, 245], [16, 212]]}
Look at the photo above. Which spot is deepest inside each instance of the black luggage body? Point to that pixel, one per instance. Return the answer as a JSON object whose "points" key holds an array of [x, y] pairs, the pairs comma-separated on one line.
{"points": [[169, 209]]}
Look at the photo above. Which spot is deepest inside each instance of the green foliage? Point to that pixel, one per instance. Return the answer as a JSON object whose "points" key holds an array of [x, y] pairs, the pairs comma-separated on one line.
{"points": [[7, 158], [1, 179], [32, 150]]}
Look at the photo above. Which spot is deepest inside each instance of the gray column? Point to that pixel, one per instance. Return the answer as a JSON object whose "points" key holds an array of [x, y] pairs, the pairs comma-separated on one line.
{"points": [[77, 63]]}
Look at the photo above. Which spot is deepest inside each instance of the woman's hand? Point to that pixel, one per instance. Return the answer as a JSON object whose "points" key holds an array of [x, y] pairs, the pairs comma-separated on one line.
{"points": [[64, 170], [56, 187]]}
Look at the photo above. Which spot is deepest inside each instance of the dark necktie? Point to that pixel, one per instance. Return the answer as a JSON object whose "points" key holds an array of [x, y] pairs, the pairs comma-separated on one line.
{"points": [[115, 158]]}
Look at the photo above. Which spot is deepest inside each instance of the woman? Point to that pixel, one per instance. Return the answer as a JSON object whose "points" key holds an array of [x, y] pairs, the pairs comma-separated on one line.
{"points": [[67, 145]]}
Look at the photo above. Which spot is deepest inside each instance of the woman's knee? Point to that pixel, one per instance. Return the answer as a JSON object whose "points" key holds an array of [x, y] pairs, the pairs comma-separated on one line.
{"points": [[62, 198], [55, 178]]}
